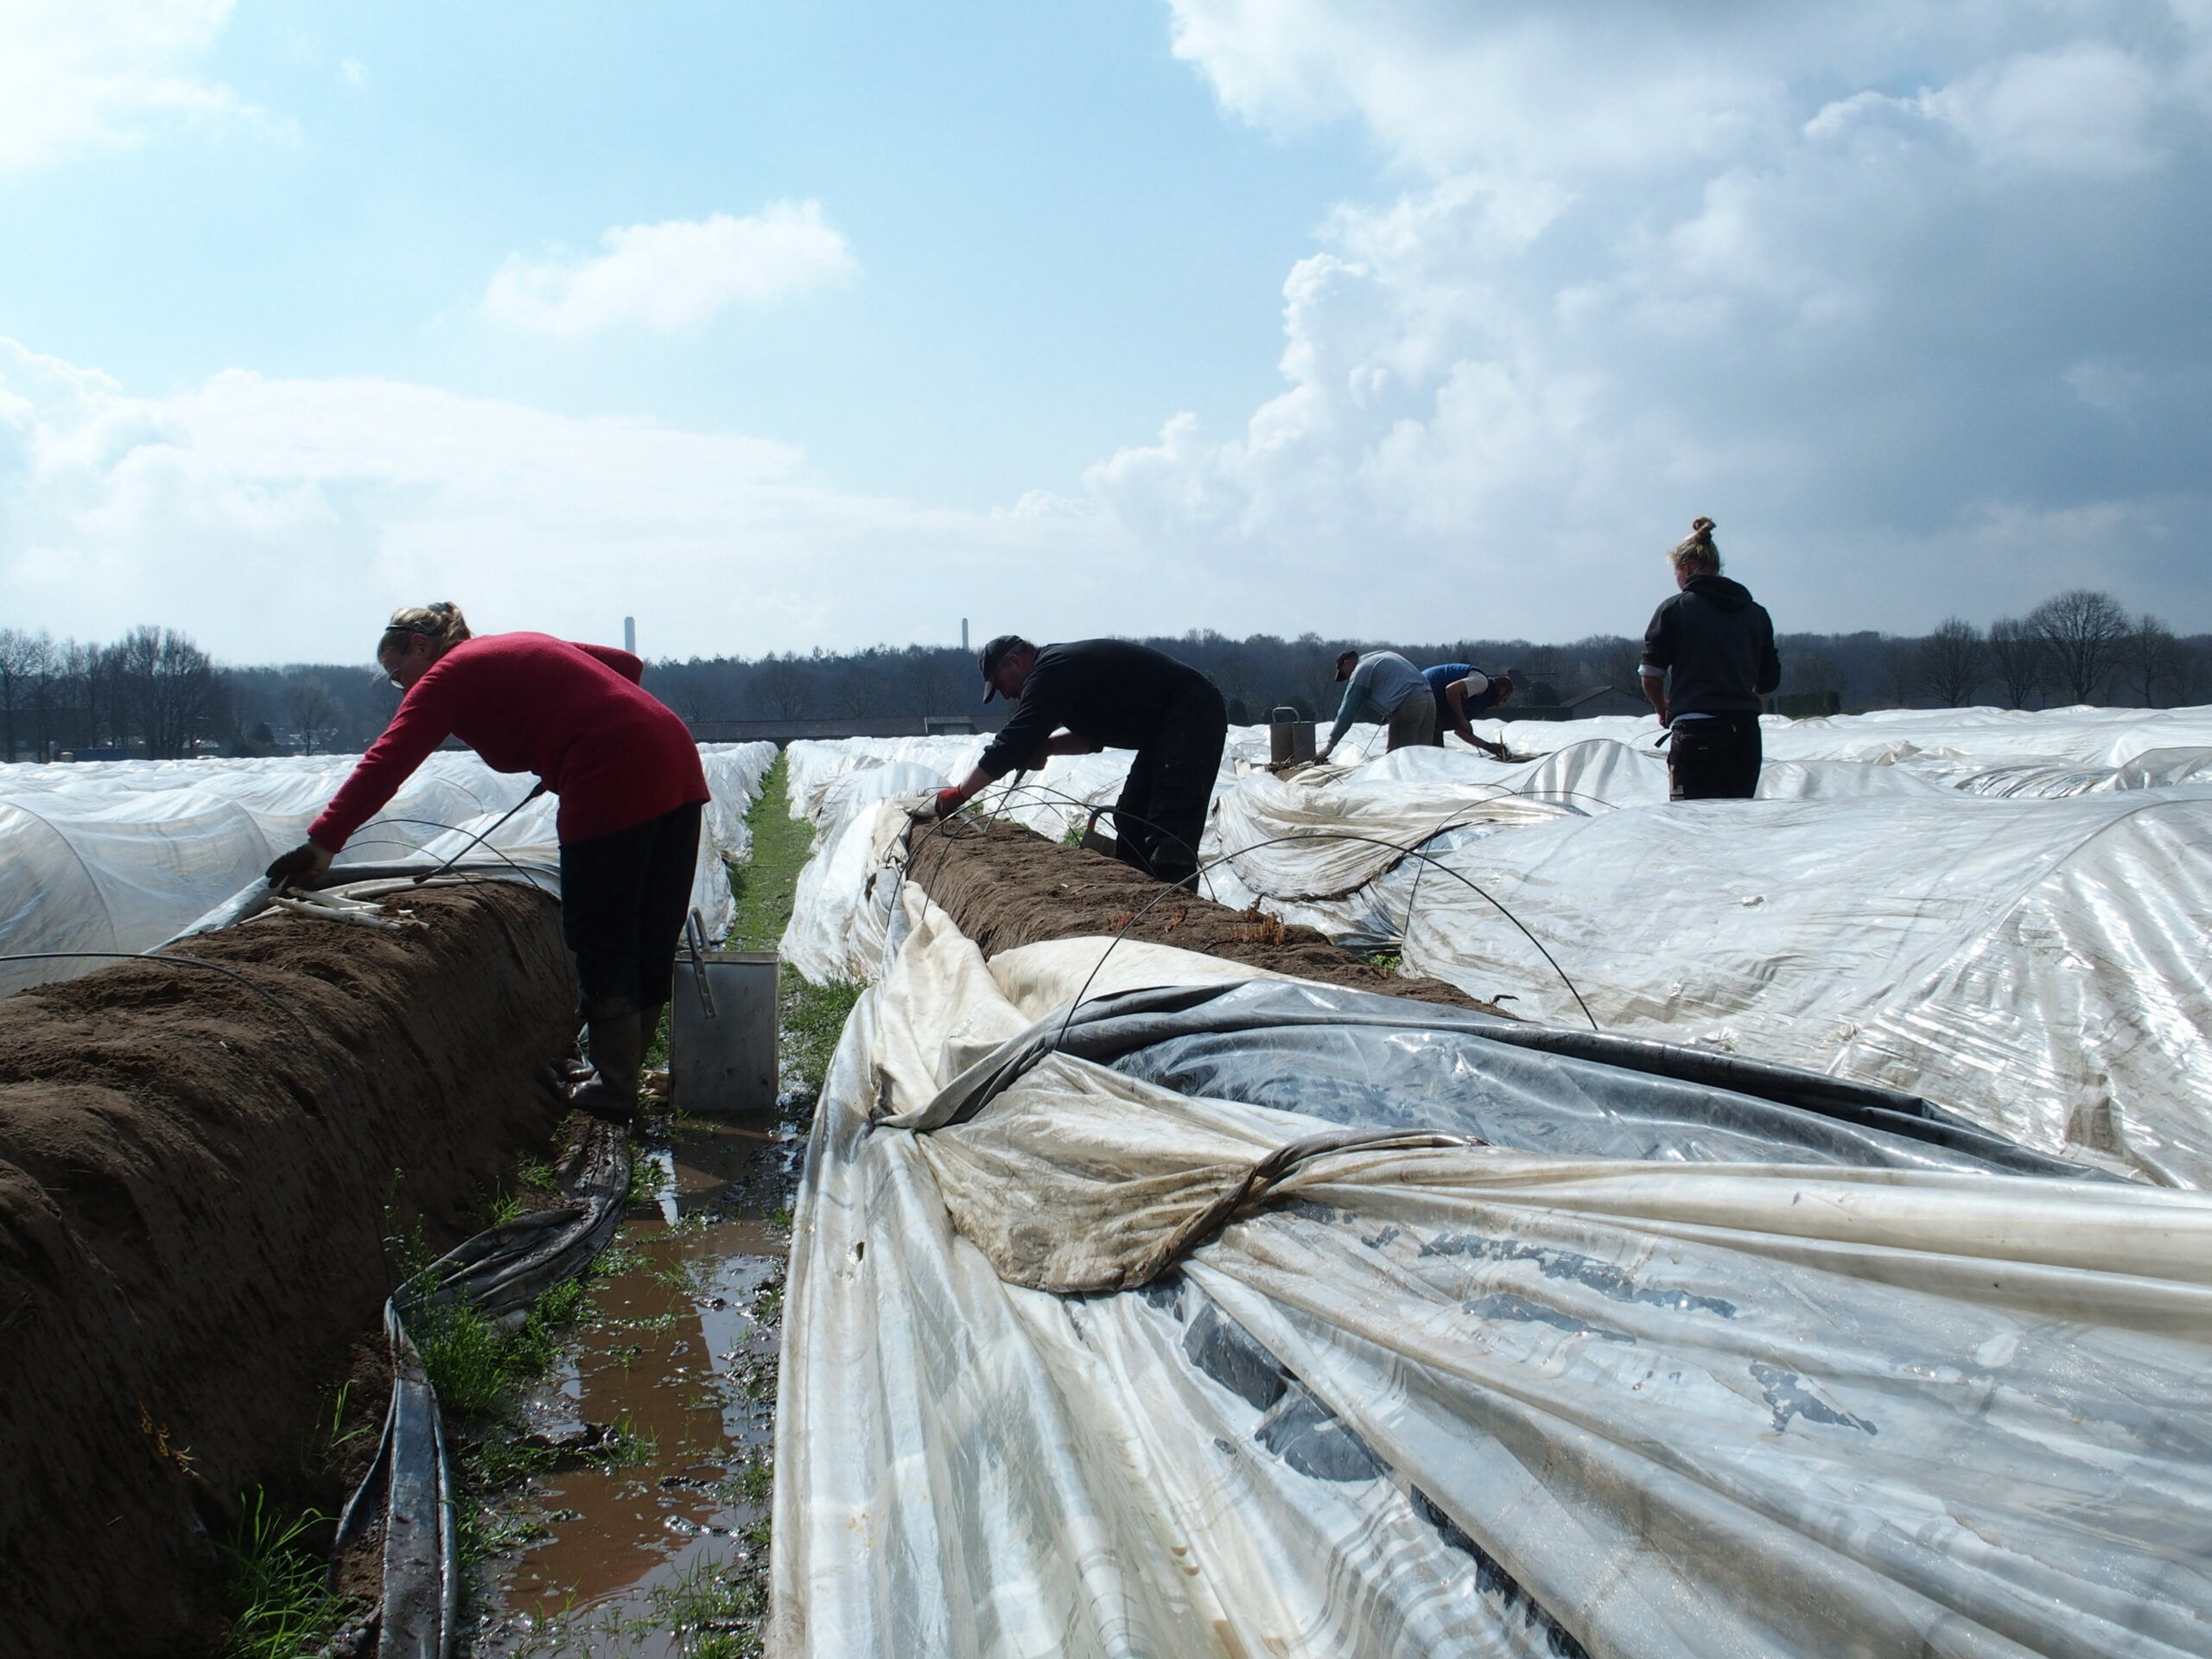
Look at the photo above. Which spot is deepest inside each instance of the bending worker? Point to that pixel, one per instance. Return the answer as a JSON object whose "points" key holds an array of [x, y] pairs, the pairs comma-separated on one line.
{"points": [[1463, 692], [630, 784], [1383, 688], [1110, 694], [1708, 658]]}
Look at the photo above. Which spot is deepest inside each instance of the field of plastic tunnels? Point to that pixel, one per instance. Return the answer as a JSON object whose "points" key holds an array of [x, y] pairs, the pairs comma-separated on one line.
{"points": [[1501, 1213]]}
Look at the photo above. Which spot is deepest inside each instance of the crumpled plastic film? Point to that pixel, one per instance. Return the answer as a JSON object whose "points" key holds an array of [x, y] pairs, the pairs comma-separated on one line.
{"points": [[1454, 1399]]}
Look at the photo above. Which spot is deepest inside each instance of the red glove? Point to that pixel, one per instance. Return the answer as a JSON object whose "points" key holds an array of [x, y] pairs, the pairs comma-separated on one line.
{"points": [[949, 801]]}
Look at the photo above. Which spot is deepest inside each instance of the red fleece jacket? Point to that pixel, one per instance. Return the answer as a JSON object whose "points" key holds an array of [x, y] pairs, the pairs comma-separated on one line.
{"points": [[574, 715]]}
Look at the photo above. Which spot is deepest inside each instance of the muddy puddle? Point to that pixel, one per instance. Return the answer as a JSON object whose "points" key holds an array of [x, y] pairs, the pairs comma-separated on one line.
{"points": [[647, 1534]]}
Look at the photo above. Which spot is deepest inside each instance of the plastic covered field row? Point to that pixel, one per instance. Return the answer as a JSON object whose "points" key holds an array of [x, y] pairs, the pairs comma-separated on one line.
{"points": [[1647, 1358], [121, 856]]}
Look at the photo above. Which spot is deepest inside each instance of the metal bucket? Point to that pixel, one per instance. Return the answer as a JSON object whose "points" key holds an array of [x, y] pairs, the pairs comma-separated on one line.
{"points": [[1289, 738], [722, 1033]]}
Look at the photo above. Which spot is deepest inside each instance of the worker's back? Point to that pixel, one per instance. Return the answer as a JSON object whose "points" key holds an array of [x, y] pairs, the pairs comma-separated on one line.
{"points": [[1717, 643]]}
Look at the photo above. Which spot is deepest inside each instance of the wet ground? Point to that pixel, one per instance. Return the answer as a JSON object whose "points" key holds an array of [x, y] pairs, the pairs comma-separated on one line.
{"points": [[662, 1548]]}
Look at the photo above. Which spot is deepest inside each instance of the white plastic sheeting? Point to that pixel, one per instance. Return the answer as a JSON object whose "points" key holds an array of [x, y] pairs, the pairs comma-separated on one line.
{"points": [[120, 855], [1460, 1401], [2004, 911]]}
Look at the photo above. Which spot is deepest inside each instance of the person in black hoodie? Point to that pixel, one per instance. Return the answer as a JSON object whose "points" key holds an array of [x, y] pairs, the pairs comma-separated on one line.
{"points": [[1708, 658]]}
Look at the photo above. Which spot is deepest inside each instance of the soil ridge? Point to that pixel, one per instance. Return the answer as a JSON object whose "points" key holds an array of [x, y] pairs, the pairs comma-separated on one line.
{"points": [[196, 1187], [1004, 886]]}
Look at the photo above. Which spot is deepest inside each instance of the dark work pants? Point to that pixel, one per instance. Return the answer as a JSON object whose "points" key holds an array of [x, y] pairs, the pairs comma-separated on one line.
{"points": [[1162, 811], [1716, 759], [623, 900]]}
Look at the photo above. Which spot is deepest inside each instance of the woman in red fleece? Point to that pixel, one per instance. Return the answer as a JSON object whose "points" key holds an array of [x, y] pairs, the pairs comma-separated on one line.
{"points": [[630, 784]]}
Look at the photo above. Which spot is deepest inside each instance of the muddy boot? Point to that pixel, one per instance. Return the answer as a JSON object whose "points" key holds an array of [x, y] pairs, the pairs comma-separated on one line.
{"points": [[617, 1049]]}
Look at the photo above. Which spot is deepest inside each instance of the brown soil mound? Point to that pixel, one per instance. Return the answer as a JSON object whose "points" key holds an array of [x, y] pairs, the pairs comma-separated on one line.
{"points": [[1009, 886], [195, 1187]]}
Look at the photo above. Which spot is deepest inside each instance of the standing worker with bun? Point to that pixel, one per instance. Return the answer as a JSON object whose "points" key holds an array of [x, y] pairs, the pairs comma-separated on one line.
{"points": [[1708, 658], [1110, 694], [630, 784]]}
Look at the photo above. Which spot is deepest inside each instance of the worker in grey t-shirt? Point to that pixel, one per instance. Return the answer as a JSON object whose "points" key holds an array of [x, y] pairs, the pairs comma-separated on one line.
{"points": [[1383, 688]]}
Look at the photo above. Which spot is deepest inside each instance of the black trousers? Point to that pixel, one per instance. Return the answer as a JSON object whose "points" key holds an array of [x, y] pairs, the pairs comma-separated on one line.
{"points": [[1716, 759], [623, 900], [1162, 811]]}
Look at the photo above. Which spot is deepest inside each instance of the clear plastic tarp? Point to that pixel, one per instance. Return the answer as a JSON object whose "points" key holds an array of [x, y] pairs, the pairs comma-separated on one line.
{"points": [[120, 855], [1522, 1343], [2004, 912]]}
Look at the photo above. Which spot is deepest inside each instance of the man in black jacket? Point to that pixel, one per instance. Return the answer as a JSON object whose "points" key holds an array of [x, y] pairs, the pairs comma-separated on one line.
{"points": [[1708, 658], [1109, 693]]}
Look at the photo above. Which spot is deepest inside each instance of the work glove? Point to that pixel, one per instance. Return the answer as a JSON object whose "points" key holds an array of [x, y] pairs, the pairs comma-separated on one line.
{"points": [[949, 801], [304, 862]]}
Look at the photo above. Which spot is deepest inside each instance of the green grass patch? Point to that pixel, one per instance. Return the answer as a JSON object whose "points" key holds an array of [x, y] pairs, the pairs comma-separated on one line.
{"points": [[275, 1584], [814, 1017], [765, 886], [478, 1368], [714, 1611]]}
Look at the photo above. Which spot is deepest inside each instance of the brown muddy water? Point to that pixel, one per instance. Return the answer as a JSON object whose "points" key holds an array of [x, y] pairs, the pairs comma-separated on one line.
{"points": [[660, 1551]]}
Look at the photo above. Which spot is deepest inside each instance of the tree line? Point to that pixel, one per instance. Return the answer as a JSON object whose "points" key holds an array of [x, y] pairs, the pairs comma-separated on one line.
{"points": [[154, 692], [2076, 647]]}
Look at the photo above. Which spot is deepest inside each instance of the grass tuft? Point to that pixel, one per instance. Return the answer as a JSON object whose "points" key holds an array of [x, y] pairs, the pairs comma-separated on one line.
{"points": [[814, 1019], [276, 1583]]}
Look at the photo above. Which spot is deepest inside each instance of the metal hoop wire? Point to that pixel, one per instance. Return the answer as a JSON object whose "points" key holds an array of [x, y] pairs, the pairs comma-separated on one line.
{"points": [[456, 828], [1332, 835], [942, 826]]}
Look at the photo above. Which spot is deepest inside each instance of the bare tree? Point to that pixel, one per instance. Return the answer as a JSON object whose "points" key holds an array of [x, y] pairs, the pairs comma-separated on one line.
{"points": [[19, 656], [2150, 655], [2016, 654], [929, 680], [2082, 631], [315, 713], [780, 688], [165, 690], [858, 692], [1953, 662]]}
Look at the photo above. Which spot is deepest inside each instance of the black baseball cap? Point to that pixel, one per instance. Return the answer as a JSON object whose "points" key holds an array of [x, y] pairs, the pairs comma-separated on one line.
{"points": [[993, 653]]}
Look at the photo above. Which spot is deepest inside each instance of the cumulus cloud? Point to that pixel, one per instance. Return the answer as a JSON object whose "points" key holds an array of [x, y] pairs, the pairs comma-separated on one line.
{"points": [[675, 275], [76, 75], [1865, 282], [282, 519]]}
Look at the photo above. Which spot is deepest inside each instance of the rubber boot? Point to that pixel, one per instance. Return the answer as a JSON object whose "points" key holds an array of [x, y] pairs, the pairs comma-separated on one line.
{"points": [[618, 1050]]}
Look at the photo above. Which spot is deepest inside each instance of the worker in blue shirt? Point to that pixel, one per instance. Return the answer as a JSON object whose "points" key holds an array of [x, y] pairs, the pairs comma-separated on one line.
{"points": [[1463, 694]]}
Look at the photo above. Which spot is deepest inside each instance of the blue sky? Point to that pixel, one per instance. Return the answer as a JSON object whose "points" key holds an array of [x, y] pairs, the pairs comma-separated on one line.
{"points": [[1059, 237], [781, 325]]}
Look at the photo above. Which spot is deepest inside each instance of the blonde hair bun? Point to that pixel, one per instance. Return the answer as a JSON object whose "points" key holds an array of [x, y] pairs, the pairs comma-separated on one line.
{"points": [[440, 622], [1695, 551]]}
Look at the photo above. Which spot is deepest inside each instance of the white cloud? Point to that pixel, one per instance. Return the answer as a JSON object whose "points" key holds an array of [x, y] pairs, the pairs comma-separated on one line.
{"points": [[76, 75], [282, 519], [1856, 280], [677, 274], [2081, 110], [353, 72]]}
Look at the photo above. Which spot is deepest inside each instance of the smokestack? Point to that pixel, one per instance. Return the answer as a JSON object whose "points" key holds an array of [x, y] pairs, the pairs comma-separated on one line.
{"points": [[964, 633], [630, 634]]}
